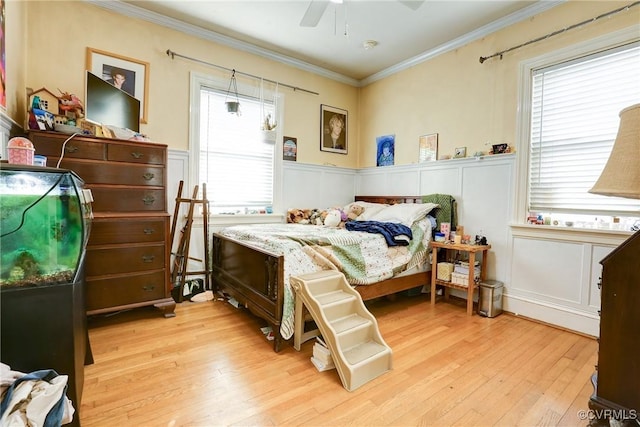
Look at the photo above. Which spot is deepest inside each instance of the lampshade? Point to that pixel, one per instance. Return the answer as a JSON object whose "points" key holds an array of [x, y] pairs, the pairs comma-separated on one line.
{"points": [[621, 174]]}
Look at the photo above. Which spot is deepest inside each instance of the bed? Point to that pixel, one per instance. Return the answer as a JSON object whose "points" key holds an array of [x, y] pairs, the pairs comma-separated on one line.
{"points": [[253, 267]]}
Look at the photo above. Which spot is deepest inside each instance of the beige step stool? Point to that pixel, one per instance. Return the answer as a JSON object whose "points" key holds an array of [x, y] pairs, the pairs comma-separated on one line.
{"points": [[350, 331]]}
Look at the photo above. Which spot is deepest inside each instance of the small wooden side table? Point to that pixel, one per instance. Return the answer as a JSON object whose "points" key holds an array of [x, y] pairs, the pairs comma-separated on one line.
{"points": [[470, 287]]}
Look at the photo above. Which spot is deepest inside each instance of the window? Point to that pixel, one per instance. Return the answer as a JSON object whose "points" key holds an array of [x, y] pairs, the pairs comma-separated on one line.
{"points": [[573, 119], [232, 154]]}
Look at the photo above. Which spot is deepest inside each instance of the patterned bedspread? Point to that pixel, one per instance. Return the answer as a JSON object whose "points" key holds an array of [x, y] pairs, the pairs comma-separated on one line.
{"points": [[364, 258]]}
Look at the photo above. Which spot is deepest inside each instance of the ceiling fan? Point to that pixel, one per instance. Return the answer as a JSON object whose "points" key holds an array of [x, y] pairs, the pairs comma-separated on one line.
{"points": [[317, 7]]}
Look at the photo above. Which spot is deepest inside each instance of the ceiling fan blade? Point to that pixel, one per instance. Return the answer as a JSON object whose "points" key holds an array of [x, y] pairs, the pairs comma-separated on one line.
{"points": [[412, 4], [314, 13]]}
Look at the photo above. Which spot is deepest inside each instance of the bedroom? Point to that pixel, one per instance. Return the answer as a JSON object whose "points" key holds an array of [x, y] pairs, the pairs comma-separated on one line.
{"points": [[489, 200]]}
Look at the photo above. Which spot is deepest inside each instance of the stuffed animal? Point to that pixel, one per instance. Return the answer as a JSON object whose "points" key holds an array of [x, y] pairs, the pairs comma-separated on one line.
{"points": [[355, 211], [298, 216], [316, 217], [333, 218]]}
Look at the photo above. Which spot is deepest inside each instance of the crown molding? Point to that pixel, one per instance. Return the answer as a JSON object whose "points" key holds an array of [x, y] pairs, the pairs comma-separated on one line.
{"points": [[132, 11], [521, 15], [193, 30]]}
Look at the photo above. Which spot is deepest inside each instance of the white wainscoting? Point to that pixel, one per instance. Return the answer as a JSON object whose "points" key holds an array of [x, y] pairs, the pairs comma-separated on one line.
{"points": [[312, 186], [554, 274]]}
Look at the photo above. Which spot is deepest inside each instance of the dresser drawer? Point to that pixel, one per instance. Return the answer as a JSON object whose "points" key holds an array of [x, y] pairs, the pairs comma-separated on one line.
{"points": [[118, 231], [136, 154], [130, 289], [51, 146], [124, 259], [114, 173], [106, 199]]}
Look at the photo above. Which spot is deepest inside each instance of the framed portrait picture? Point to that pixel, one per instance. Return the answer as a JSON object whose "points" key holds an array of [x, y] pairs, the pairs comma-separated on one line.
{"points": [[289, 148], [460, 153], [128, 74], [333, 129], [385, 150], [428, 151]]}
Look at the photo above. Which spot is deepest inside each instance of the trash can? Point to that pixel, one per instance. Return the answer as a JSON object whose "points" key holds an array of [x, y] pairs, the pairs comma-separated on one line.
{"points": [[490, 298]]}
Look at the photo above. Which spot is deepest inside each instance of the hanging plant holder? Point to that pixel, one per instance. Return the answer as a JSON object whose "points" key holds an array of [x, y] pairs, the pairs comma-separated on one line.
{"points": [[233, 107]]}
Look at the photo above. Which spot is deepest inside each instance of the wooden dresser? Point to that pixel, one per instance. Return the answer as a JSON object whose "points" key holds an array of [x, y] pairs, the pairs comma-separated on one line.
{"points": [[617, 379], [128, 254]]}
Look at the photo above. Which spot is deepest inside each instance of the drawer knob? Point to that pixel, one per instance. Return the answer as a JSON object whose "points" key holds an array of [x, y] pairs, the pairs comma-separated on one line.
{"points": [[148, 258], [149, 231], [136, 155], [148, 288], [148, 176], [71, 148], [148, 200]]}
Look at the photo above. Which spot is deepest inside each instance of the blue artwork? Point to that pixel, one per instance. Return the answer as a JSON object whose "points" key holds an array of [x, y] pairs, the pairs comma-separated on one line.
{"points": [[386, 148]]}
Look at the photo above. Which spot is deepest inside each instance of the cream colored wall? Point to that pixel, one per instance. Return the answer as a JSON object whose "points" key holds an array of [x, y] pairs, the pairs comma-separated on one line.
{"points": [[16, 59], [59, 62], [467, 103]]}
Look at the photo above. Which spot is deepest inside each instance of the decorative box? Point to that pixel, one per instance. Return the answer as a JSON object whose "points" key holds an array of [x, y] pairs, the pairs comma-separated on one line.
{"points": [[444, 271]]}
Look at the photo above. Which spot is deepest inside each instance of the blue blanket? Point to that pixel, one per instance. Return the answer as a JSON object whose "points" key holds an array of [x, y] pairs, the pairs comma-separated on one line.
{"points": [[394, 234]]}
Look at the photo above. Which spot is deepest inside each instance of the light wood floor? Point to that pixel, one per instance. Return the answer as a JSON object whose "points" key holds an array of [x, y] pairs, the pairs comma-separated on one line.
{"points": [[211, 365]]}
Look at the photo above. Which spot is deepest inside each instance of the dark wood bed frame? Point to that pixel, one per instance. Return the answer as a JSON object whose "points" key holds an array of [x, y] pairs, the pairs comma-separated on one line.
{"points": [[255, 277]]}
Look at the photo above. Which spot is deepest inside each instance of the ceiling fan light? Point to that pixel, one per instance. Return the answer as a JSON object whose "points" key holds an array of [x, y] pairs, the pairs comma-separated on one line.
{"points": [[369, 44]]}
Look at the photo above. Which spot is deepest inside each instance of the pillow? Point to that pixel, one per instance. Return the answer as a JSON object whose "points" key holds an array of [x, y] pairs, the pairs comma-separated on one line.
{"points": [[369, 209], [403, 213]]}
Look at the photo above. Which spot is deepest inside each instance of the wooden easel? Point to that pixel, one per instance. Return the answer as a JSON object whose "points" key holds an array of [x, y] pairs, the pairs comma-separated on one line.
{"points": [[179, 270]]}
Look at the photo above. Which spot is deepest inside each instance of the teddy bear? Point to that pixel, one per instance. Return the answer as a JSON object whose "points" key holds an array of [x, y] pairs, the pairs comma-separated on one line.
{"points": [[355, 211]]}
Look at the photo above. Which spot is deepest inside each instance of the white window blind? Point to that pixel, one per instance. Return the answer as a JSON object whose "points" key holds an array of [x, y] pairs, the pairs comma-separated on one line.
{"points": [[574, 122], [236, 156]]}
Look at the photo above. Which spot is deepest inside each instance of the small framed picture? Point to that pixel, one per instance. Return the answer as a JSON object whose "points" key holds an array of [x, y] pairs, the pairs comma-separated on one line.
{"points": [[428, 148], [385, 150], [333, 129], [500, 148], [460, 153], [289, 148], [127, 74]]}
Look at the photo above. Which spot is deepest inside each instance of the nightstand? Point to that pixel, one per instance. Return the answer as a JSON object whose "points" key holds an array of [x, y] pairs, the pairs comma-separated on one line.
{"points": [[472, 250]]}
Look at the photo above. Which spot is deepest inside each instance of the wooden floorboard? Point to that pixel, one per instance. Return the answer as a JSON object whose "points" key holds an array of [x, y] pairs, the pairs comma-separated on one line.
{"points": [[211, 365]]}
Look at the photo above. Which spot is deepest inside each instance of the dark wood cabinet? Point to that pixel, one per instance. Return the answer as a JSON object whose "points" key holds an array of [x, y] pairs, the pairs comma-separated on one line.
{"points": [[128, 253], [617, 378]]}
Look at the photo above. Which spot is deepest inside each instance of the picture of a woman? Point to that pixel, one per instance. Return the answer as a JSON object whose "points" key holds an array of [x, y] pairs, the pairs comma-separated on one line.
{"points": [[333, 130]]}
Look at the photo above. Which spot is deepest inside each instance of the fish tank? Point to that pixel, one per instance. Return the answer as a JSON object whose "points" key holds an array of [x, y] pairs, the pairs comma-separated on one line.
{"points": [[44, 226]]}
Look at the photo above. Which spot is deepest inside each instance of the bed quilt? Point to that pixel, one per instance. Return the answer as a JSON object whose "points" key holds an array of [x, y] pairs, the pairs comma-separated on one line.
{"points": [[364, 258]]}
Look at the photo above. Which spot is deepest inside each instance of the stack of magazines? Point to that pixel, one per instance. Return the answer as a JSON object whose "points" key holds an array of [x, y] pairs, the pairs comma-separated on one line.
{"points": [[322, 356], [462, 267]]}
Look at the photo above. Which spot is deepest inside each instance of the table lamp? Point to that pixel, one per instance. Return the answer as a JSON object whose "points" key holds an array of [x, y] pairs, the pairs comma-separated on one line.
{"points": [[621, 174]]}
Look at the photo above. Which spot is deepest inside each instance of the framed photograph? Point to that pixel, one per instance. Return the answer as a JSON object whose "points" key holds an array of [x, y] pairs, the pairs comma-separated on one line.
{"points": [[333, 129], [289, 148], [460, 153], [128, 74], [385, 150], [428, 148], [500, 148]]}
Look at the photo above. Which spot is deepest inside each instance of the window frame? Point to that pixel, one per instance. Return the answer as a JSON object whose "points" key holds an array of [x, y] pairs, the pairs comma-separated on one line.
{"points": [[198, 81], [524, 102]]}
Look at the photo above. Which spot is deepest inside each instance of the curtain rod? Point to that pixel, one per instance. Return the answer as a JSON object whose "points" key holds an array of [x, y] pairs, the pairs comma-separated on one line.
{"points": [[555, 33], [173, 54]]}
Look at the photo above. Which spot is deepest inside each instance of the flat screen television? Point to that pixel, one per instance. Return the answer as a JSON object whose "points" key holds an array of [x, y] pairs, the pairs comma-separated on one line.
{"points": [[107, 105]]}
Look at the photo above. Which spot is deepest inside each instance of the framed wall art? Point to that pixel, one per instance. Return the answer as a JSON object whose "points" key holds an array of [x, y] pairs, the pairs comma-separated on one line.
{"points": [[385, 150], [460, 153], [428, 151], [289, 148], [128, 74], [333, 129]]}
